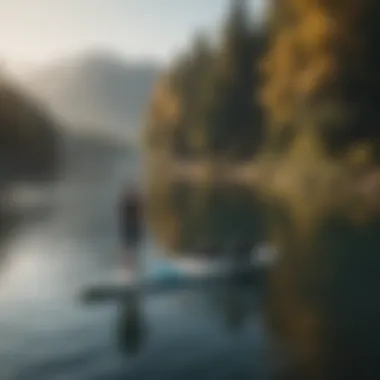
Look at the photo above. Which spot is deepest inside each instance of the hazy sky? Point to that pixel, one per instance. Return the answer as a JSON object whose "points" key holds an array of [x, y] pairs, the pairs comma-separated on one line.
{"points": [[37, 31]]}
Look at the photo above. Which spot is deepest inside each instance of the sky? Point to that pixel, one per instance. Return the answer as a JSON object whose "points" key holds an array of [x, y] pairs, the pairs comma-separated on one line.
{"points": [[39, 31]]}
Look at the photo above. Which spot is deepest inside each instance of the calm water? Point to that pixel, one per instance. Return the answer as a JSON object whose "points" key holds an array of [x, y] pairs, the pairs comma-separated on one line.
{"points": [[46, 333]]}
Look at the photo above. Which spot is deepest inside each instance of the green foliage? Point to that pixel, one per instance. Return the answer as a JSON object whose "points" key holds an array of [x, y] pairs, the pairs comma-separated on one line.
{"points": [[321, 100], [234, 119], [214, 91], [321, 73]]}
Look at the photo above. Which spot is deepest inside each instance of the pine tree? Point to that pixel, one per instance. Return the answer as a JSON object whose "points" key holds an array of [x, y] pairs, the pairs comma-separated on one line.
{"points": [[216, 95], [28, 136], [234, 122], [193, 89], [176, 113]]}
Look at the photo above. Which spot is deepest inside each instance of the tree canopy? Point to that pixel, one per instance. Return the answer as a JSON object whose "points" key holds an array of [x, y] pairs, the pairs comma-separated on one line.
{"points": [[28, 136], [205, 105]]}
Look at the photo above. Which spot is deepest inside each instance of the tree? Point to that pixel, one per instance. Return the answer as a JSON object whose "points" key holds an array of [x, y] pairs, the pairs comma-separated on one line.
{"points": [[216, 90], [205, 107], [192, 87], [321, 98], [28, 136], [174, 120], [322, 70], [234, 117]]}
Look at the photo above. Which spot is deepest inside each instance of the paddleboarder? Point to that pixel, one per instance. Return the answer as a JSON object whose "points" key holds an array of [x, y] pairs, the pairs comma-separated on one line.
{"points": [[131, 223]]}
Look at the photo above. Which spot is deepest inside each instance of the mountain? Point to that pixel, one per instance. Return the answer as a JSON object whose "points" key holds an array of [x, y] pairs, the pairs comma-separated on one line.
{"points": [[97, 91]]}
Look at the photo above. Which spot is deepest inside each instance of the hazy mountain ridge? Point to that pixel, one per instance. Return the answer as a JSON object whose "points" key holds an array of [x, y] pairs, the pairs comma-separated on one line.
{"points": [[97, 91]]}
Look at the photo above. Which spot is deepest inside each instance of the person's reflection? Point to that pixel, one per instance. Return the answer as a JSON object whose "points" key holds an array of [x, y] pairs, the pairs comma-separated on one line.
{"points": [[235, 311], [131, 328]]}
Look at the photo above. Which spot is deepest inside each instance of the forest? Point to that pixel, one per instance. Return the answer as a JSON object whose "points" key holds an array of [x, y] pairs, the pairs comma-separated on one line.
{"points": [[299, 98], [206, 104], [29, 137]]}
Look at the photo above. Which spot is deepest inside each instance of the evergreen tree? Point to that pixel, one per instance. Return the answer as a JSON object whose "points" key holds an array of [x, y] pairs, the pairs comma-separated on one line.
{"points": [[192, 89], [28, 137], [215, 95], [234, 119], [175, 115]]}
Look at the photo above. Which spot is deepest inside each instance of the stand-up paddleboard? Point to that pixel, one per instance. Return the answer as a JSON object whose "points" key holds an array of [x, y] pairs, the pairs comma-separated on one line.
{"points": [[129, 289], [177, 276]]}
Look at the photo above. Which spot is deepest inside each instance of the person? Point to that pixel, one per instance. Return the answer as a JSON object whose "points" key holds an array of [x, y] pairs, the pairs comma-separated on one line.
{"points": [[131, 326], [131, 226]]}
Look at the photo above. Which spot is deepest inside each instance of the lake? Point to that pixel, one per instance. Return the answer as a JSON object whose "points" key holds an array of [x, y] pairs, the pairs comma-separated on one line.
{"points": [[46, 333]]}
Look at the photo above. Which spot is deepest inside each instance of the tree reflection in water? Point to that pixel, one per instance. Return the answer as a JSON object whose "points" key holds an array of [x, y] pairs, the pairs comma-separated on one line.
{"points": [[321, 297]]}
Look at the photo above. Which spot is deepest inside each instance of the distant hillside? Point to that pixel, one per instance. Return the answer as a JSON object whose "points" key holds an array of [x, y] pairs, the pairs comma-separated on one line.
{"points": [[96, 89], [29, 138]]}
